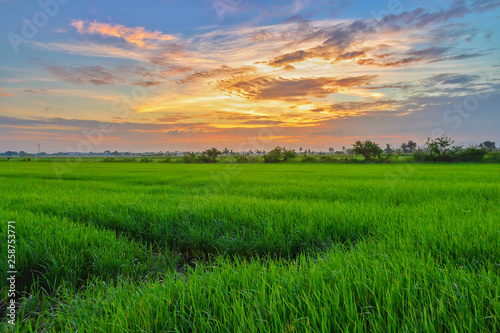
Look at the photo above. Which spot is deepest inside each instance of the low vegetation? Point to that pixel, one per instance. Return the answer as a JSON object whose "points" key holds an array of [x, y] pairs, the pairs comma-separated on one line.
{"points": [[150, 247], [436, 150]]}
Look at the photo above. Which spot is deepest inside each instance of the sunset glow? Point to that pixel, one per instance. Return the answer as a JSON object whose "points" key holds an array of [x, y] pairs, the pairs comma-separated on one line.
{"points": [[254, 74]]}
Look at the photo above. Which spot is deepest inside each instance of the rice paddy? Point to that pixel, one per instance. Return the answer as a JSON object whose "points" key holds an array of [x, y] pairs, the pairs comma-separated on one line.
{"points": [[161, 247]]}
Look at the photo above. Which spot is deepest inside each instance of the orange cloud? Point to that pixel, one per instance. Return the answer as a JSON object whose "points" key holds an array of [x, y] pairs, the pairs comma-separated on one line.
{"points": [[6, 95], [270, 88], [137, 35]]}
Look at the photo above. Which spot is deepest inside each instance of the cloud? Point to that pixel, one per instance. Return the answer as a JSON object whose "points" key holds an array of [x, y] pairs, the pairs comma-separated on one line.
{"points": [[36, 91], [429, 54], [480, 6], [146, 84], [90, 49], [350, 55], [335, 40], [338, 40], [462, 56], [270, 88], [138, 36], [100, 75], [6, 95], [96, 75], [447, 78], [289, 58], [223, 70]]}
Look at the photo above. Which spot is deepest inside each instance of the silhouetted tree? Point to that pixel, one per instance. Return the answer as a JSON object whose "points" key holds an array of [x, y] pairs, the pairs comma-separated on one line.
{"points": [[411, 146], [388, 149], [404, 147], [210, 155], [488, 144], [367, 149], [279, 154]]}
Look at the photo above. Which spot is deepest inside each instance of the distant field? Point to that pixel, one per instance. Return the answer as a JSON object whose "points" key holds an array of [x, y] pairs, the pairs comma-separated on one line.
{"points": [[152, 247]]}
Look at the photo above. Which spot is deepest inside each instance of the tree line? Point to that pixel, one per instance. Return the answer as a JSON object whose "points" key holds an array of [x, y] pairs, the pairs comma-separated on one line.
{"points": [[441, 149]]}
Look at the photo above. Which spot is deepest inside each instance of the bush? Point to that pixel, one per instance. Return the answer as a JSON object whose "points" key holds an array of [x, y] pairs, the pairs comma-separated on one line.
{"points": [[441, 150], [246, 159], [279, 154], [190, 157], [309, 158], [146, 160], [471, 154], [325, 158], [165, 160], [421, 155], [493, 157]]}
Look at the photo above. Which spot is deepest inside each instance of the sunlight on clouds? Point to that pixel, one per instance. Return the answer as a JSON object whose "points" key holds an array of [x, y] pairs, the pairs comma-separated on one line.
{"points": [[138, 35], [305, 75]]}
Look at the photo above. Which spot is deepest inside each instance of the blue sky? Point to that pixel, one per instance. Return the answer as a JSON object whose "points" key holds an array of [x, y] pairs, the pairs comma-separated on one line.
{"points": [[186, 75]]}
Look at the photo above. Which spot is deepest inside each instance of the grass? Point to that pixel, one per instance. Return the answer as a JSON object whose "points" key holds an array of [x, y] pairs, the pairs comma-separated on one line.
{"points": [[149, 247]]}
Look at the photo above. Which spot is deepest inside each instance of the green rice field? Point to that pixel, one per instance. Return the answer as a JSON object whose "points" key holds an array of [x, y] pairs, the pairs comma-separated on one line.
{"points": [[290, 247]]}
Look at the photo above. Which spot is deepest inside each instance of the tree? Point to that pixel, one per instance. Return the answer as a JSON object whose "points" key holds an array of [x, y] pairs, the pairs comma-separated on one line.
{"points": [[225, 151], [279, 154], [210, 155], [439, 148], [388, 149], [411, 146], [488, 144], [404, 147], [367, 149]]}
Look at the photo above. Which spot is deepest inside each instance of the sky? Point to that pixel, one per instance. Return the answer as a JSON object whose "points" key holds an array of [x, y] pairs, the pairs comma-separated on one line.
{"points": [[167, 75]]}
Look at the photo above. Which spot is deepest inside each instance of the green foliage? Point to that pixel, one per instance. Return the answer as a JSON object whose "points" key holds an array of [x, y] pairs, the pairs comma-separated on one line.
{"points": [[492, 157], [134, 247], [442, 150], [408, 147], [471, 154], [210, 155], [190, 157], [308, 158], [243, 158], [367, 148], [279, 154], [165, 160], [488, 144], [420, 155]]}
